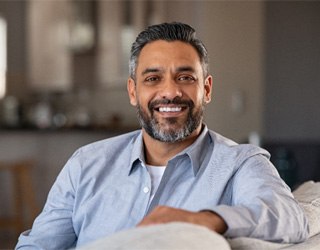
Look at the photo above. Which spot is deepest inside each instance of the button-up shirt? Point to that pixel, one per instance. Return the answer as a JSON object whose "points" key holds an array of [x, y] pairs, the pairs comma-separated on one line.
{"points": [[105, 187]]}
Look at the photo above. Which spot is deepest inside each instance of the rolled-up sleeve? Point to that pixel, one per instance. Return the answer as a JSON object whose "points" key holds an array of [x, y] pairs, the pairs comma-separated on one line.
{"points": [[262, 205]]}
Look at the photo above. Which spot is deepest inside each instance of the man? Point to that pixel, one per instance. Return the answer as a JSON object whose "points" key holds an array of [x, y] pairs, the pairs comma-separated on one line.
{"points": [[174, 169]]}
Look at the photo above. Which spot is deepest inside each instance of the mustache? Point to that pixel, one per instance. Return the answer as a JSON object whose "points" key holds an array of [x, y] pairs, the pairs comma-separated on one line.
{"points": [[165, 101]]}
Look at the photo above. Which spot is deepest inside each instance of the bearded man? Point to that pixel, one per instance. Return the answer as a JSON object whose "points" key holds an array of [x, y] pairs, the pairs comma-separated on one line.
{"points": [[172, 170]]}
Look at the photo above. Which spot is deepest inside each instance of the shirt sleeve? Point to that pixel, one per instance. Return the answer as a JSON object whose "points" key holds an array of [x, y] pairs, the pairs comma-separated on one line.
{"points": [[53, 228], [262, 205]]}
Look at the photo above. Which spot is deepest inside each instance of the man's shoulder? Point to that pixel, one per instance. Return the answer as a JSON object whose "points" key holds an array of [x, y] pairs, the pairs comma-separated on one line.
{"points": [[224, 146], [114, 143]]}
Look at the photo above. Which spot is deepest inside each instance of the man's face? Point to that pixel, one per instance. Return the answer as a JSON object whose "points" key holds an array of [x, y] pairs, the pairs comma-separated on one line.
{"points": [[169, 90]]}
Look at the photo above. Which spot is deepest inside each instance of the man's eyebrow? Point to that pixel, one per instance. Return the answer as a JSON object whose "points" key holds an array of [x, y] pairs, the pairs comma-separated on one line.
{"points": [[151, 70], [178, 69], [185, 68]]}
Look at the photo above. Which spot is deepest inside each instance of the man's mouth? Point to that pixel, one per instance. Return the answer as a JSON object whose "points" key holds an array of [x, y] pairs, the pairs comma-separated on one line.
{"points": [[169, 109]]}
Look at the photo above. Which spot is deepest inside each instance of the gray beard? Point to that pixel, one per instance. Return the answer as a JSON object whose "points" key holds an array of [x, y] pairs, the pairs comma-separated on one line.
{"points": [[152, 126]]}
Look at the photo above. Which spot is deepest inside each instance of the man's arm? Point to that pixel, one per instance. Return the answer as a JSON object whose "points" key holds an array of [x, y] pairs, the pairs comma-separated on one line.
{"points": [[262, 206], [164, 214]]}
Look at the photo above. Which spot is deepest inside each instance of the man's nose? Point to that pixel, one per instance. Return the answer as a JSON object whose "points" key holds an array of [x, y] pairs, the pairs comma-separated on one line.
{"points": [[170, 89]]}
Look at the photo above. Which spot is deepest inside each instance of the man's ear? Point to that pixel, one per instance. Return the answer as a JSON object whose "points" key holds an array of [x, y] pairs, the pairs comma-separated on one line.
{"points": [[208, 89], [131, 87]]}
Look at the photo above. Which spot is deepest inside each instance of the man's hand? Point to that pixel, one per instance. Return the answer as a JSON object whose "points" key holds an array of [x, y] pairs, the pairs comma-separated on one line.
{"points": [[163, 214]]}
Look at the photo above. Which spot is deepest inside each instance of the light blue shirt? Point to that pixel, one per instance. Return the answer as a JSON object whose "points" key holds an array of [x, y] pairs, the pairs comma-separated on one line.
{"points": [[105, 188]]}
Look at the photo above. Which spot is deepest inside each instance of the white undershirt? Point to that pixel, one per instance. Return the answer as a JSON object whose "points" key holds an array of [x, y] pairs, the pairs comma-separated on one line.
{"points": [[156, 173]]}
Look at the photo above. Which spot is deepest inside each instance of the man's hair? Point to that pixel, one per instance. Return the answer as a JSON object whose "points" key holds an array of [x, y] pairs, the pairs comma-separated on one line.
{"points": [[174, 31]]}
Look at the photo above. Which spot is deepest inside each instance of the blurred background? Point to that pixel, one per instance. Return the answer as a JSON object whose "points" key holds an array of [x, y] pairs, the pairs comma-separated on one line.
{"points": [[63, 72]]}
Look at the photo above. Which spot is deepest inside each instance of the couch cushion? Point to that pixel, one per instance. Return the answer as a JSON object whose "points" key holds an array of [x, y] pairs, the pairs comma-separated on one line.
{"points": [[171, 236], [308, 196]]}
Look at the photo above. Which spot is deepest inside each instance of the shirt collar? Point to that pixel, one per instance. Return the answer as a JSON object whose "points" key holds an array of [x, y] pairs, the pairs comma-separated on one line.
{"points": [[196, 151], [137, 154]]}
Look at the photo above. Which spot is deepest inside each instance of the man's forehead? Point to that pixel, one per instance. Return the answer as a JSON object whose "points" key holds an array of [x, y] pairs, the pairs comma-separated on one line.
{"points": [[156, 56], [164, 43]]}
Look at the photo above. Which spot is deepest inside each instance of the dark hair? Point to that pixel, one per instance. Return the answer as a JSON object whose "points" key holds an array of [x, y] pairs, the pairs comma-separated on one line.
{"points": [[169, 32]]}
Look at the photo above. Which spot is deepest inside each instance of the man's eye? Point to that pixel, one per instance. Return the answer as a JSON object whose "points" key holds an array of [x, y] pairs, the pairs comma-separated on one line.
{"points": [[186, 78], [152, 78]]}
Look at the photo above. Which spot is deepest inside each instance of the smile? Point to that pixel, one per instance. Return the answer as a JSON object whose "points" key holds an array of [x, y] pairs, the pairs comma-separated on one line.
{"points": [[170, 109]]}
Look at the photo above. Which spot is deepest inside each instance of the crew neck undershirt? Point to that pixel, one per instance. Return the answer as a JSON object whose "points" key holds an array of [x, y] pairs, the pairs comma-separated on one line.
{"points": [[156, 173]]}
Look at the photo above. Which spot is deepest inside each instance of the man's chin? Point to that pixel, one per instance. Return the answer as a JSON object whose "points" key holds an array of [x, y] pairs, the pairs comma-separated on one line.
{"points": [[171, 122], [170, 128], [171, 134]]}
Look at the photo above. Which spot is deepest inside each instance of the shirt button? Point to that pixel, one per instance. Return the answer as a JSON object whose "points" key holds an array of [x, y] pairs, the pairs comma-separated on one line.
{"points": [[146, 190]]}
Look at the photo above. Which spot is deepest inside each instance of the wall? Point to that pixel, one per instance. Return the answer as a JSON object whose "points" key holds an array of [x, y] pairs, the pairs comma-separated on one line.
{"points": [[15, 14], [292, 71]]}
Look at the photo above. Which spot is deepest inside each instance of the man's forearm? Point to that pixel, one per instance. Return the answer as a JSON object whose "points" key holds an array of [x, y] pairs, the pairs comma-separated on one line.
{"points": [[163, 214]]}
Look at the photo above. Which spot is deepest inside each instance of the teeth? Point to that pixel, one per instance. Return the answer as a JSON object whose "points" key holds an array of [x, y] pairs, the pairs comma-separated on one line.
{"points": [[170, 109]]}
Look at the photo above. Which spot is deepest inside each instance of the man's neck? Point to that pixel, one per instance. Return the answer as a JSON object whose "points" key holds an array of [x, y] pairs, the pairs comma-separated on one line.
{"points": [[158, 153]]}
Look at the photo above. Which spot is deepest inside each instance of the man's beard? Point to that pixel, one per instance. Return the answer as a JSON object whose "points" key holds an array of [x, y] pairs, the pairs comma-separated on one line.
{"points": [[156, 130]]}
